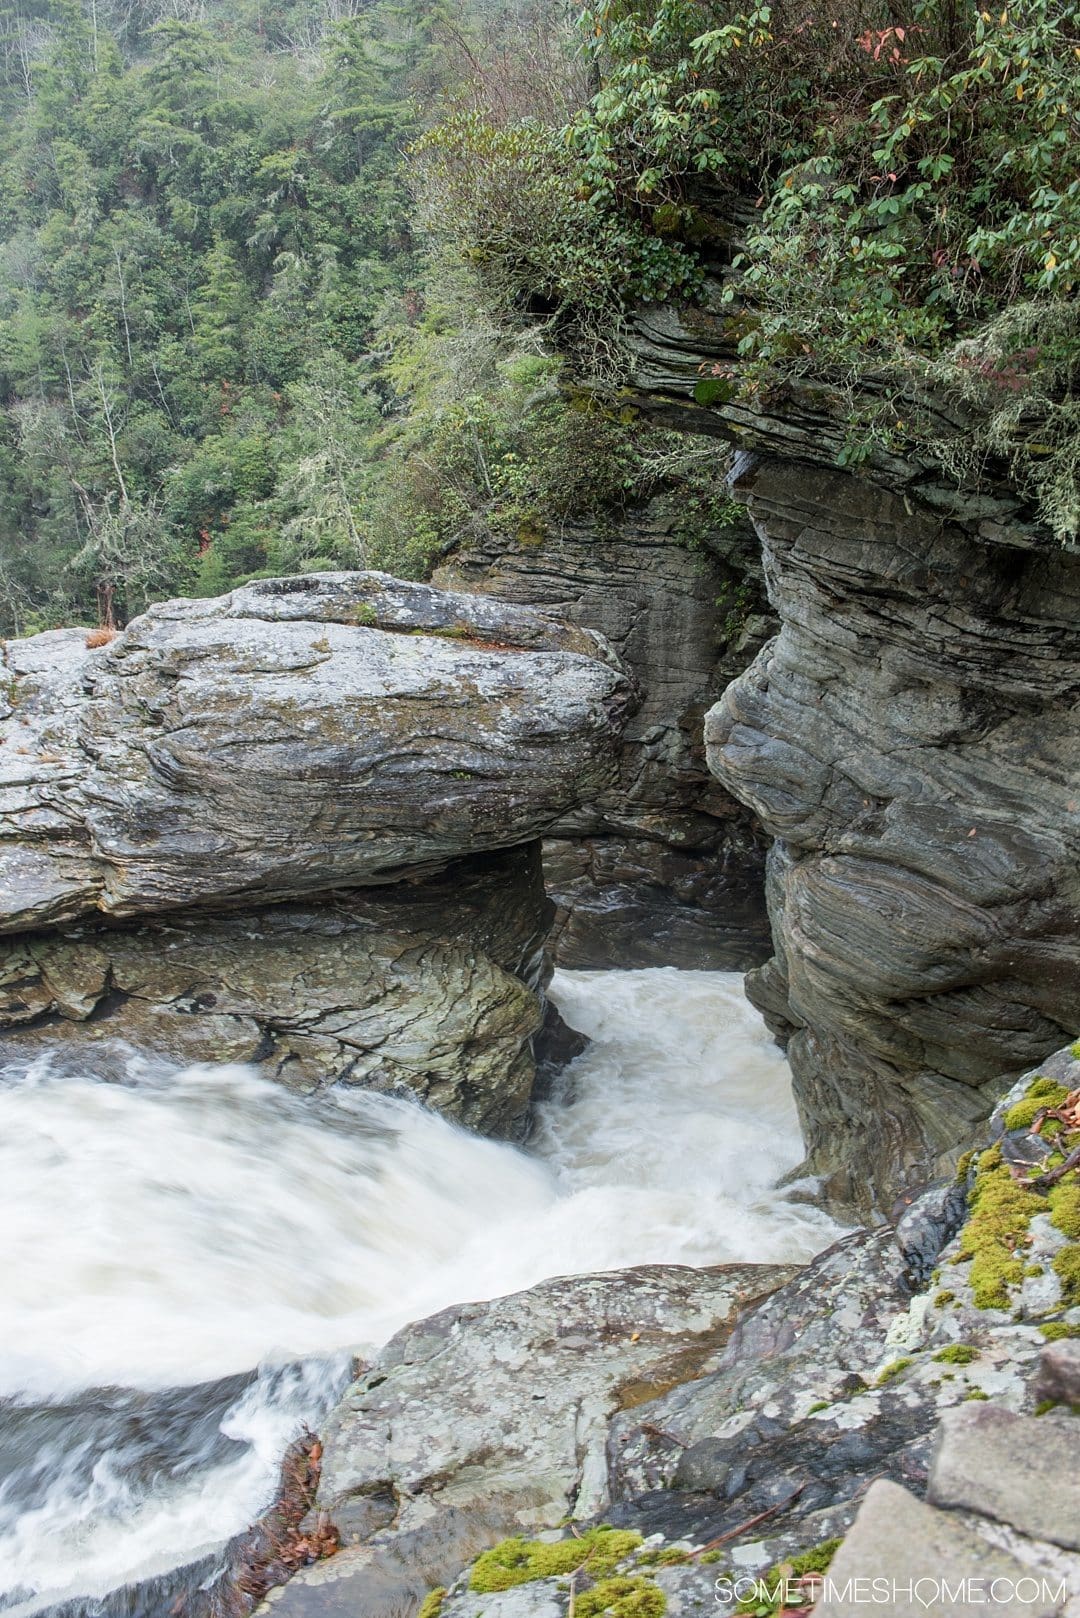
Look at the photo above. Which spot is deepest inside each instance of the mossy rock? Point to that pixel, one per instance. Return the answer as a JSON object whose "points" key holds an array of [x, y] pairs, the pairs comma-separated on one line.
{"points": [[624, 1597], [957, 1354], [1001, 1210], [1040, 1093], [521, 1561]]}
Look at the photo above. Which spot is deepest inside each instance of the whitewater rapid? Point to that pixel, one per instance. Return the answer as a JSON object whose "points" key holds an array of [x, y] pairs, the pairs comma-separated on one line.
{"points": [[181, 1227]]}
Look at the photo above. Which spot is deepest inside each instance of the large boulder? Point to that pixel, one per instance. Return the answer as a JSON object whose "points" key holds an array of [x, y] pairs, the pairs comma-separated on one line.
{"points": [[510, 1401], [297, 735]]}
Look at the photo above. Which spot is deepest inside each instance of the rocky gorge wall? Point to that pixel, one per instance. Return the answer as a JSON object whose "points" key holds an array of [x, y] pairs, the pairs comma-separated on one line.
{"points": [[910, 741], [664, 867], [299, 826], [911, 1391]]}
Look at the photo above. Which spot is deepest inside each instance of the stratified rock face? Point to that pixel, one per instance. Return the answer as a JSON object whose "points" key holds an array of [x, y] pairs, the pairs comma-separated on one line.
{"points": [[428, 990], [664, 867], [294, 736], [911, 740]]}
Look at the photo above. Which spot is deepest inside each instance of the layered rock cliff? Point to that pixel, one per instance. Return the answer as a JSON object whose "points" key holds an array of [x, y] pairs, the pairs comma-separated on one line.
{"points": [[911, 743], [664, 867], [299, 826]]}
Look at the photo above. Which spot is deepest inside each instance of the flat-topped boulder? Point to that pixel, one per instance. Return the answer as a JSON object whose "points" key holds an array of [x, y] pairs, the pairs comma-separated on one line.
{"points": [[295, 736]]}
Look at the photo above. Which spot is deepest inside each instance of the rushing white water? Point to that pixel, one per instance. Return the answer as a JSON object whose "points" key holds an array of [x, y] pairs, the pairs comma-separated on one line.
{"points": [[183, 1226]]}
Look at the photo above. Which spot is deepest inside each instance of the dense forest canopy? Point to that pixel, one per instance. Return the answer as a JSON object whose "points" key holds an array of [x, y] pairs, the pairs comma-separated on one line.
{"points": [[329, 282], [203, 216]]}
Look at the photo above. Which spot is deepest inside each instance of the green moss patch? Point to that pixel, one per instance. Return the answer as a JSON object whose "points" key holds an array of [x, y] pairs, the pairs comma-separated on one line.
{"points": [[1041, 1093], [1067, 1270], [621, 1598], [894, 1369], [1055, 1330], [431, 1605], [1064, 1200], [1001, 1210], [521, 1561], [957, 1354], [817, 1559]]}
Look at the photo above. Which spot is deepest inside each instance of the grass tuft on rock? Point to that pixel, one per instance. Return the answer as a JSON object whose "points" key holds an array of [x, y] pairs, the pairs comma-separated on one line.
{"points": [[431, 1605], [1055, 1330], [1067, 1270], [817, 1559], [1064, 1200]]}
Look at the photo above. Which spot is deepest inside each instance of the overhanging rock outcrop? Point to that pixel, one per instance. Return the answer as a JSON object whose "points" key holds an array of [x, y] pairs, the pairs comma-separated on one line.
{"points": [[299, 825]]}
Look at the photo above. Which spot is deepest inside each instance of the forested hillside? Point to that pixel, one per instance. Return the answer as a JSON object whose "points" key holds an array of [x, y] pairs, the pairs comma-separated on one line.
{"points": [[214, 311], [329, 283]]}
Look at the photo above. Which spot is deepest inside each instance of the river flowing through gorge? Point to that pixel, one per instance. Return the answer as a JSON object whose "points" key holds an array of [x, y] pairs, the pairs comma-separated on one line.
{"points": [[167, 1231]]}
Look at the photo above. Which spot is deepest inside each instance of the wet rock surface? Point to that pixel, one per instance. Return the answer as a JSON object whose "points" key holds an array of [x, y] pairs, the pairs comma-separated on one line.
{"points": [[294, 736], [662, 868], [491, 1419], [526, 1386]]}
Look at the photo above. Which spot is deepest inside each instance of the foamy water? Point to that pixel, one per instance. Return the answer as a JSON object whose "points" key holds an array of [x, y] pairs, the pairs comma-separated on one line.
{"points": [[184, 1226]]}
